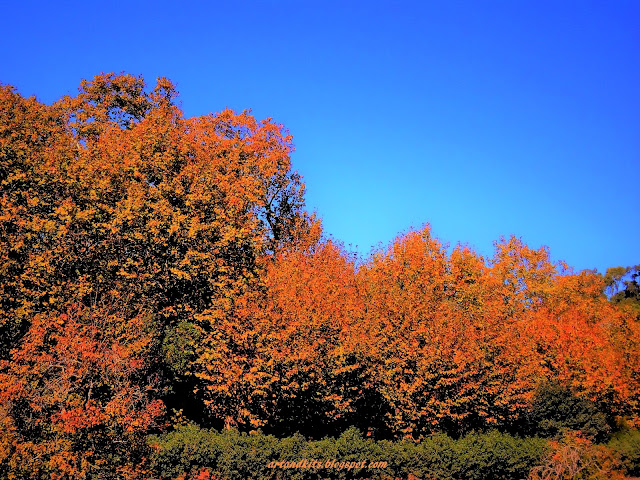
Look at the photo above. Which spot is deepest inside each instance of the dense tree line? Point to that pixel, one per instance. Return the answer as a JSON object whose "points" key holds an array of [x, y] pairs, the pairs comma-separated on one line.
{"points": [[157, 270]]}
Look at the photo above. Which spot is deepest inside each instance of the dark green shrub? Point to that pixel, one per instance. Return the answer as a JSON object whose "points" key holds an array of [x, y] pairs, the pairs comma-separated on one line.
{"points": [[626, 443], [555, 410], [497, 455]]}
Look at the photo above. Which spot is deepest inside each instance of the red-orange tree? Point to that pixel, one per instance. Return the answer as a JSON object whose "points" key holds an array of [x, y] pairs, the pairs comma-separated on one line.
{"points": [[441, 356], [291, 358], [78, 397]]}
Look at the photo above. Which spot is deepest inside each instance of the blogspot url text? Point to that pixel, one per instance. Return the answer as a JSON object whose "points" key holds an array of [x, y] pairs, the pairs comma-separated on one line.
{"points": [[305, 464]]}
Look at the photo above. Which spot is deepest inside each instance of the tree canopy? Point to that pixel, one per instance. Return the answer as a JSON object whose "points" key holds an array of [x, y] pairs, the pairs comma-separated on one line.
{"points": [[157, 270]]}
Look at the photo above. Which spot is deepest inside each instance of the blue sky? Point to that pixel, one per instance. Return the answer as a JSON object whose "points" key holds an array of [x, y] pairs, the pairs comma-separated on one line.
{"points": [[483, 118]]}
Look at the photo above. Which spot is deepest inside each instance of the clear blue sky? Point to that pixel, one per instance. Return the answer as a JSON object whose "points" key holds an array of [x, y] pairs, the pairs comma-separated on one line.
{"points": [[483, 118]]}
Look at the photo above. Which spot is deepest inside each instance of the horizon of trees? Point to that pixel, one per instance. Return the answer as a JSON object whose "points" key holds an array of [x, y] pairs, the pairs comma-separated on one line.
{"points": [[157, 271]]}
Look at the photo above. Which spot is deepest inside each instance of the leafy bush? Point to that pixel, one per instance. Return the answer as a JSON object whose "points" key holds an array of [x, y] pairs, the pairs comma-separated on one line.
{"points": [[555, 410], [190, 450], [498, 456], [626, 443]]}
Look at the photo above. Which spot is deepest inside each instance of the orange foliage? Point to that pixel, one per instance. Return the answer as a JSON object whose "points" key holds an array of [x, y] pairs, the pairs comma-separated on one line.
{"points": [[77, 386], [444, 353], [146, 257], [122, 224], [462, 342], [288, 359]]}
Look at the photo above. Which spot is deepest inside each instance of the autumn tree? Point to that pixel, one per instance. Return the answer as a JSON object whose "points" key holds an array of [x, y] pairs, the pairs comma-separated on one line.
{"points": [[116, 206], [292, 360], [443, 357], [79, 397], [589, 344], [33, 139]]}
